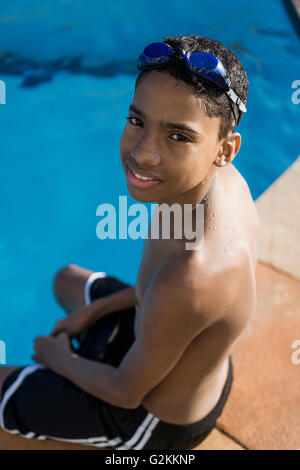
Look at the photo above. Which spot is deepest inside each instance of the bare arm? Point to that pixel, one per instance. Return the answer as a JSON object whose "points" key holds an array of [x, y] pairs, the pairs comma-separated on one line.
{"points": [[171, 320], [96, 378], [121, 300]]}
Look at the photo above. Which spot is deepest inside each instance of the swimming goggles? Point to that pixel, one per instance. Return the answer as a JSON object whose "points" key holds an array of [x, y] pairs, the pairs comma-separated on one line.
{"points": [[206, 65]]}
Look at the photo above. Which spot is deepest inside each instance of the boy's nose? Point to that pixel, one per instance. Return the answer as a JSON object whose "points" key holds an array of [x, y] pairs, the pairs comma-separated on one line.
{"points": [[145, 153]]}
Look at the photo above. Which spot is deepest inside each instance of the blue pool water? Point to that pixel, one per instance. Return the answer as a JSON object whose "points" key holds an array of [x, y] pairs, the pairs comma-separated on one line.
{"points": [[60, 139]]}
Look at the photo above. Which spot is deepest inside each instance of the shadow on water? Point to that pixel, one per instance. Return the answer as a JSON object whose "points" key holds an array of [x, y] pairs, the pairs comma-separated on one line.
{"points": [[34, 72]]}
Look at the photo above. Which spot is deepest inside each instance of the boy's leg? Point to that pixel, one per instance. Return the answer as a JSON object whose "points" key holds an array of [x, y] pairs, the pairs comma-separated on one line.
{"points": [[5, 371], [68, 287], [69, 284]]}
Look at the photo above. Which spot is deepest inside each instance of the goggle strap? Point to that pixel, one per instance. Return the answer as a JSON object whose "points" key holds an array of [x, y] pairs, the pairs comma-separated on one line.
{"points": [[236, 100]]}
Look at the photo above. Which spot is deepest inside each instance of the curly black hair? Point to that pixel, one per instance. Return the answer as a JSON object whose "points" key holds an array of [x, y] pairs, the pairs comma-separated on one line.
{"points": [[215, 101]]}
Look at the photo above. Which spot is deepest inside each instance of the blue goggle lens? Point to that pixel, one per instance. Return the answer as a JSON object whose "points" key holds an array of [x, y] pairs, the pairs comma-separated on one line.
{"points": [[154, 54], [156, 50], [211, 68], [203, 61]]}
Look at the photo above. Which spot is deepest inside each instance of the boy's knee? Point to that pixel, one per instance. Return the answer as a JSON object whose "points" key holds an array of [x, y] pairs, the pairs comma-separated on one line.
{"points": [[60, 279]]}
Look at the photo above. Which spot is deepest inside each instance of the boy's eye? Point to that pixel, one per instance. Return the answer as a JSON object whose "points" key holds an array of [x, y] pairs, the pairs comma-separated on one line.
{"points": [[130, 118], [180, 138]]}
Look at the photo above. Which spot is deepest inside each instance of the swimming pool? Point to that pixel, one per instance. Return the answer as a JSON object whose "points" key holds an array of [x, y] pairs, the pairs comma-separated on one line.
{"points": [[60, 139]]}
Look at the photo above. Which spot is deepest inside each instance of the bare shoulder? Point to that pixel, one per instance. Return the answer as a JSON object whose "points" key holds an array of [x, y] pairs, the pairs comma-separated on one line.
{"points": [[173, 295], [190, 287], [243, 194], [215, 285], [231, 287]]}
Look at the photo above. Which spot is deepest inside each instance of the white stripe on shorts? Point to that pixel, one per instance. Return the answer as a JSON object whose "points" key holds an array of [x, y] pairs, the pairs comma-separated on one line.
{"points": [[90, 280], [146, 426]]}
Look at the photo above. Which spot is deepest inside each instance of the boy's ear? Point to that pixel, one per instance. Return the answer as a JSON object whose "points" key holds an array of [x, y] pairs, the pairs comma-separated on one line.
{"points": [[229, 148]]}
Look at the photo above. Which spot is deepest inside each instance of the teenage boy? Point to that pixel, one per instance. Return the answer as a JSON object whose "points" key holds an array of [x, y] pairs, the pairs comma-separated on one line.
{"points": [[166, 372]]}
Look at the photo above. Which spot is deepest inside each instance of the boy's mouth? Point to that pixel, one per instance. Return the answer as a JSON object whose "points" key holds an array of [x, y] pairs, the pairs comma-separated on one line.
{"points": [[141, 181]]}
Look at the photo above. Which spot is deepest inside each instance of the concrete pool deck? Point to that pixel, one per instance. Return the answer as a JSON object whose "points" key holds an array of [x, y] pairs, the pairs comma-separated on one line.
{"points": [[263, 409]]}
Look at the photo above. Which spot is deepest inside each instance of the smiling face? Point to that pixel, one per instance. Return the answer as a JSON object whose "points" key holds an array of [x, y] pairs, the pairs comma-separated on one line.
{"points": [[168, 138]]}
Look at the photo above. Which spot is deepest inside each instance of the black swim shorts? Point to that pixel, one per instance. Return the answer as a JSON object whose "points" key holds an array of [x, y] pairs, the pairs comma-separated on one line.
{"points": [[38, 403]]}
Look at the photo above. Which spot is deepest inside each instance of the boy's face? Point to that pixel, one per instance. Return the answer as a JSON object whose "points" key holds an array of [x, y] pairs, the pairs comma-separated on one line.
{"points": [[178, 159]]}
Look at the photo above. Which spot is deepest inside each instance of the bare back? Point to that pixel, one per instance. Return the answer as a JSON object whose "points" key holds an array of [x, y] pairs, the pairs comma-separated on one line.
{"points": [[228, 259]]}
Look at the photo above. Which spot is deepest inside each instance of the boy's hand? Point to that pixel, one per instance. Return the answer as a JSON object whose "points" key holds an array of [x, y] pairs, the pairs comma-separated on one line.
{"points": [[50, 351], [74, 324]]}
